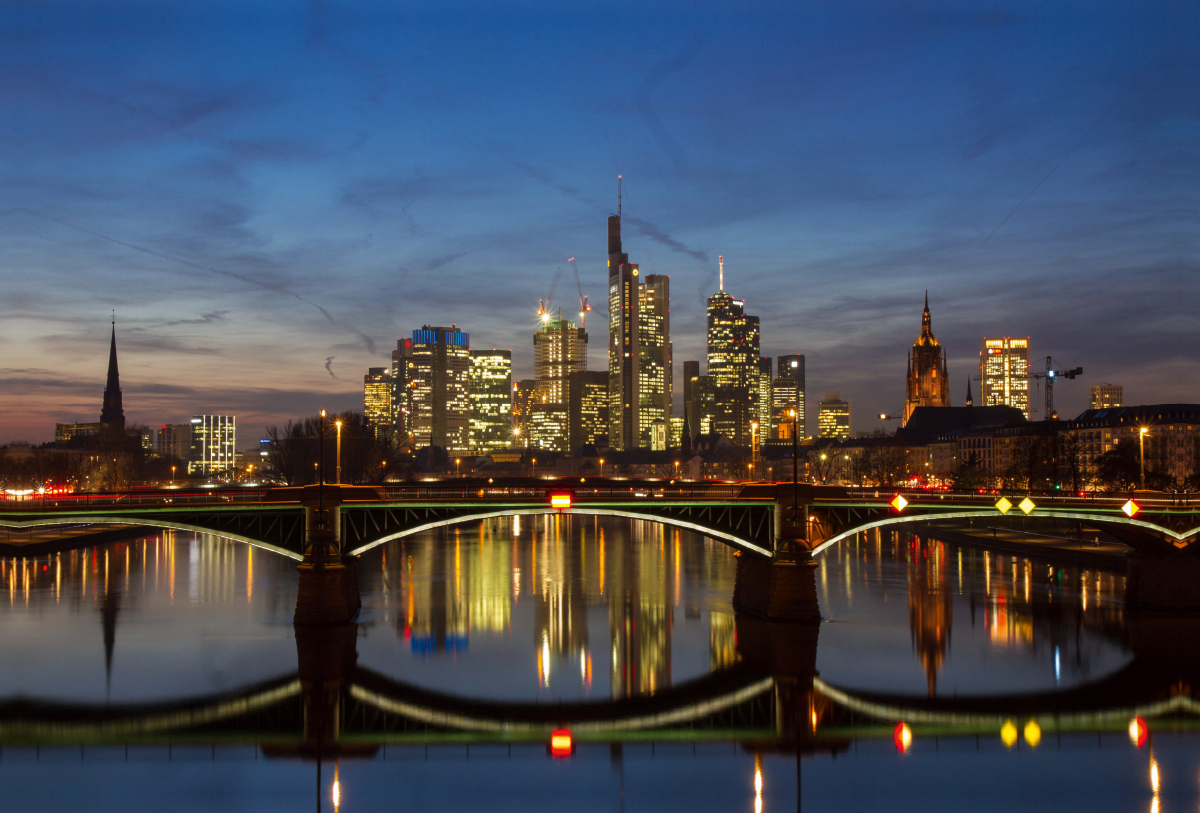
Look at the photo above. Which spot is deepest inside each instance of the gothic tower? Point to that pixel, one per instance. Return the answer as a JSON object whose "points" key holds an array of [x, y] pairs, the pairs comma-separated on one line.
{"points": [[927, 384], [112, 412]]}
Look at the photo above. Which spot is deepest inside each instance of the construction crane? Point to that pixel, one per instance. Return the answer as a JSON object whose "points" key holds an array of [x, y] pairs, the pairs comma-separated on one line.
{"points": [[584, 307], [544, 304], [1051, 375]]}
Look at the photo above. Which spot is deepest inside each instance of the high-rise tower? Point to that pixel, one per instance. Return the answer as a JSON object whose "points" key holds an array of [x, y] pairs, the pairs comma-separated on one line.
{"points": [[639, 347], [112, 412], [927, 382], [733, 364], [439, 388], [1004, 373]]}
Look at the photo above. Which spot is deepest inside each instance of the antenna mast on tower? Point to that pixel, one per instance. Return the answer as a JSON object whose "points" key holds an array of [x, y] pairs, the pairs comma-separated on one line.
{"points": [[618, 196], [721, 264]]}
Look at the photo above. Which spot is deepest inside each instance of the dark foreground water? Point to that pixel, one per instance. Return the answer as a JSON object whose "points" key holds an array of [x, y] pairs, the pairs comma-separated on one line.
{"points": [[165, 674]]}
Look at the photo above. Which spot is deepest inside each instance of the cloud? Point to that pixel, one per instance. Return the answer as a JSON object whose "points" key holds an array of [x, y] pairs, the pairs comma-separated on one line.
{"points": [[659, 71], [329, 365]]}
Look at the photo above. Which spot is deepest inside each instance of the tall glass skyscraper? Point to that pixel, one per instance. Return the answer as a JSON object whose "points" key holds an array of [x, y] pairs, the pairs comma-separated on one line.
{"points": [[791, 368], [733, 364], [640, 369], [439, 388], [491, 400], [377, 400]]}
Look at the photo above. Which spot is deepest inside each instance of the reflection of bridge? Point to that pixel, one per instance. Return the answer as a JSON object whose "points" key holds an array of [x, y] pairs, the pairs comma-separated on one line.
{"points": [[777, 524], [770, 700]]}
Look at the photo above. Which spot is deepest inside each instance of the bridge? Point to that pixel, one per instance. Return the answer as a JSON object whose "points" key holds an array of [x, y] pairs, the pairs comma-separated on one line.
{"points": [[776, 527]]}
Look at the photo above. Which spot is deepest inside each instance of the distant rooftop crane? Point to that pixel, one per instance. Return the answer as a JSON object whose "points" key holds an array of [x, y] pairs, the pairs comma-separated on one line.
{"points": [[584, 307], [544, 304], [1051, 375]]}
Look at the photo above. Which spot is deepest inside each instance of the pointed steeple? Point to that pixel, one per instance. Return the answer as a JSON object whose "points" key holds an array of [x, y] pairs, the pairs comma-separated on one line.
{"points": [[926, 322], [112, 413], [970, 402]]}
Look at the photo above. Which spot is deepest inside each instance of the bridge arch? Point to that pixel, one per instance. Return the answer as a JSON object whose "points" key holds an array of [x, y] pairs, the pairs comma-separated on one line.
{"points": [[1179, 539], [149, 521], [733, 540]]}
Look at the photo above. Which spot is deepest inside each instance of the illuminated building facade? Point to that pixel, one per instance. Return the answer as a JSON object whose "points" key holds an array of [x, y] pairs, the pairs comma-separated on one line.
{"points": [[733, 365], [1004, 373], [833, 417], [491, 400], [439, 388], [523, 393], [402, 370], [378, 392], [587, 407], [1108, 396], [559, 349], [792, 368], [785, 397], [67, 432], [214, 441], [928, 384], [639, 347], [762, 400], [549, 427]]}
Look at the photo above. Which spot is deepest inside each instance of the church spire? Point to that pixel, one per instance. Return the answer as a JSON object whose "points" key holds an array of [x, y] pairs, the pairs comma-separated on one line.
{"points": [[970, 402], [112, 413]]}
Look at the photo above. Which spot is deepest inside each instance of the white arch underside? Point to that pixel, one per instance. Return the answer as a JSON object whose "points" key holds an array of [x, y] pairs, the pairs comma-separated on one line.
{"points": [[719, 536], [168, 526], [464, 722], [994, 514], [1107, 717]]}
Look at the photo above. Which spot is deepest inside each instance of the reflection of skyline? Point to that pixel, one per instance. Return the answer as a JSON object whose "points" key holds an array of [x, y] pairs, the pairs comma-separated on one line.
{"points": [[441, 589], [930, 610]]}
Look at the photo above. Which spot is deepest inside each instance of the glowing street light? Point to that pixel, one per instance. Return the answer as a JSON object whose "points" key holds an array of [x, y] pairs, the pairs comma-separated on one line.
{"points": [[458, 467], [1142, 432], [602, 467], [338, 424]]}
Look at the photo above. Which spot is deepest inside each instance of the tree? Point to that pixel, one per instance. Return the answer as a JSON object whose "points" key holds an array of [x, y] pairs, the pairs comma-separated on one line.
{"points": [[1119, 468], [295, 450]]}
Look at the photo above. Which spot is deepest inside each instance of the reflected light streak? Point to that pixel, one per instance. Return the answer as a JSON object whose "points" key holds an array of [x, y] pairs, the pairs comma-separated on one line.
{"points": [[758, 783]]}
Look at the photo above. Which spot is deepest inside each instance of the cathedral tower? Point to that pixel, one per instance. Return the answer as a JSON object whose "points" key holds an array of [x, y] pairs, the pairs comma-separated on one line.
{"points": [[927, 384]]}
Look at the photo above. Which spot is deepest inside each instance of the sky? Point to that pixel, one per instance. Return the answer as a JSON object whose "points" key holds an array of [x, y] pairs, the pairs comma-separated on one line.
{"points": [[269, 195]]}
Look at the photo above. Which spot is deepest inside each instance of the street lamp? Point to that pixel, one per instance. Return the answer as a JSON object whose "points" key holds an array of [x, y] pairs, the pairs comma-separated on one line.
{"points": [[172, 477], [795, 466], [883, 416], [458, 467], [1142, 431], [602, 467], [339, 450]]}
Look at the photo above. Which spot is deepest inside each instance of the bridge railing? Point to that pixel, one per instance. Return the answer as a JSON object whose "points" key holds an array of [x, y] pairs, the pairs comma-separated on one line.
{"points": [[1058, 497], [36, 502]]}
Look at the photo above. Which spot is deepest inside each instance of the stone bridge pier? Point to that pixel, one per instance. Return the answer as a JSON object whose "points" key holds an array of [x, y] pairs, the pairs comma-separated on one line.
{"points": [[784, 587], [328, 590]]}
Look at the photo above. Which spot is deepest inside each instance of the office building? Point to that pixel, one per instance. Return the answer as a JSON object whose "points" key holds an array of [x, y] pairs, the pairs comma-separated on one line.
{"points": [[928, 384], [639, 347], [587, 408], [378, 393], [214, 443], [762, 400], [833, 417], [1004, 373], [439, 388], [792, 368], [67, 432], [174, 442], [549, 427], [491, 400], [523, 401], [401, 364], [1108, 396], [559, 349], [733, 364], [785, 400]]}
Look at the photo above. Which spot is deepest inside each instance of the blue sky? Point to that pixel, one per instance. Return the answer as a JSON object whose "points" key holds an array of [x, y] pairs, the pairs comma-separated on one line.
{"points": [[256, 193]]}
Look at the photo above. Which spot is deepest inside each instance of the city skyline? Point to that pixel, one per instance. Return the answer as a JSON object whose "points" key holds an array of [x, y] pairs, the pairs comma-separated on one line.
{"points": [[1035, 190]]}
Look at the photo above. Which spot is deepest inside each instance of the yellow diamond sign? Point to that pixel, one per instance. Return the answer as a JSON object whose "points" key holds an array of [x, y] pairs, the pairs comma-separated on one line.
{"points": [[1004, 505], [899, 502], [1130, 508], [1026, 505]]}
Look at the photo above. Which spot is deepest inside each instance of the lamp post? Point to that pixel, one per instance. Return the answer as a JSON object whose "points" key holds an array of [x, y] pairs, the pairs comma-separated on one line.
{"points": [[795, 467], [1142, 430], [172, 477], [458, 467], [602, 467], [753, 446], [339, 450], [321, 470]]}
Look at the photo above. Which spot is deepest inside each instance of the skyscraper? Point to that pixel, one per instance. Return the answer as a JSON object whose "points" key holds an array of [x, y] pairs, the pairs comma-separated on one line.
{"points": [[523, 401], [491, 400], [833, 417], [785, 399], [792, 367], [733, 364], [1004, 373], [639, 347], [927, 381], [439, 388], [214, 441], [587, 404], [401, 378], [377, 400], [559, 349], [112, 413], [762, 400]]}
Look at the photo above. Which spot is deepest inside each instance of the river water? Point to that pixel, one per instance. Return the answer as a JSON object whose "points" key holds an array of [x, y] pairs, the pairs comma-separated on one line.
{"points": [[162, 674]]}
